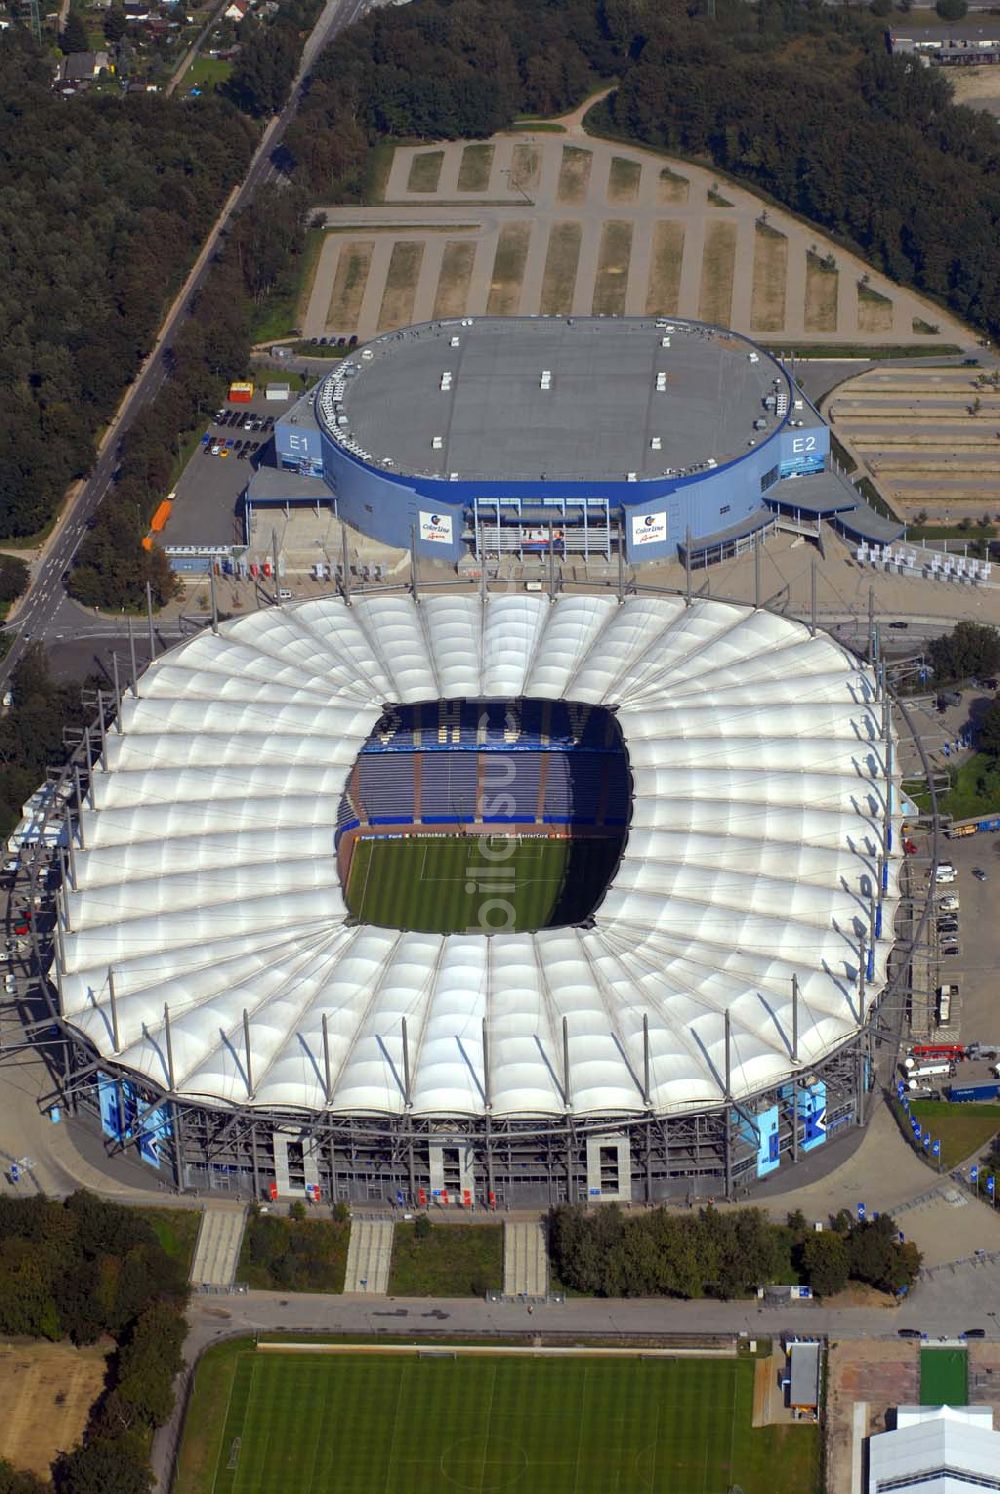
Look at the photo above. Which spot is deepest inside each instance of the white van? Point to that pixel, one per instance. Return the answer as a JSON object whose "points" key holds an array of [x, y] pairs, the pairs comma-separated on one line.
{"points": [[948, 904], [945, 872]]}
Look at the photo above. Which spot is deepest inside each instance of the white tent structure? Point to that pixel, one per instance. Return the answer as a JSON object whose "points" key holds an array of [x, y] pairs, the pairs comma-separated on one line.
{"points": [[206, 946]]}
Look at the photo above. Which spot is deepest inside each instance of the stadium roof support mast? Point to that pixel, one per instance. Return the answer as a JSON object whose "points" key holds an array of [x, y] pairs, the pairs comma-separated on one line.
{"points": [[132, 662], [487, 1090], [149, 622], [647, 1098], [327, 1066], [687, 569], [215, 604], [113, 1002], [406, 1066], [795, 1019], [246, 1041], [413, 563]]}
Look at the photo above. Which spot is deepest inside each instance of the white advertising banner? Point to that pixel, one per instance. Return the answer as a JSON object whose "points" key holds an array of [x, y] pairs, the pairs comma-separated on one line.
{"points": [[649, 529], [436, 528]]}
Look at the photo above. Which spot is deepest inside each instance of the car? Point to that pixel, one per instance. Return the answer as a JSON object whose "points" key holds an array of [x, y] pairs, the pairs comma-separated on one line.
{"points": [[207, 451], [910, 847], [219, 415], [284, 595], [948, 904], [206, 439], [947, 926], [979, 874], [949, 949], [238, 445], [10, 982], [898, 623], [248, 422], [215, 448], [909, 1333], [991, 684], [224, 452], [974, 1333], [242, 455]]}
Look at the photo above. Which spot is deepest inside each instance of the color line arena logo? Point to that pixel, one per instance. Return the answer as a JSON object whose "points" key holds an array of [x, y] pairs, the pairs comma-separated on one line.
{"points": [[649, 529], [435, 528]]}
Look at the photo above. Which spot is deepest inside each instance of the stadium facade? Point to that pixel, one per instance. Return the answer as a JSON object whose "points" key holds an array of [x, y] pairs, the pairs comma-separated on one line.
{"points": [[224, 1017], [587, 435]]}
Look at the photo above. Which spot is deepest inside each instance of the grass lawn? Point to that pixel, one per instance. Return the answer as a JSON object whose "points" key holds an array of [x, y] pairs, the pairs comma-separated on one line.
{"points": [[205, 73], [944, 1377], [425, 170], [974, 791], [862, 350], [309, 1423], [475, 167], [963, 1130], [448, 884], [454, 1260], [623, 179], [561, 260], [176, 1230]]}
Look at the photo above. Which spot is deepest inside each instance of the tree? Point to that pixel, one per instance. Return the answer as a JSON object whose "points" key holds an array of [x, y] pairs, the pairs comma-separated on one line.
{"points": [[115, 24], [988, 730], [825, 1263], [952, 10], [880, 7], [74, 34], [970, 650], [104, 1465]]}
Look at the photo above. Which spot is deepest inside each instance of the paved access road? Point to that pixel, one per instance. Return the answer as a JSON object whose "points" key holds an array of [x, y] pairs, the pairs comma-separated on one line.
{"points": [[36, 615]]}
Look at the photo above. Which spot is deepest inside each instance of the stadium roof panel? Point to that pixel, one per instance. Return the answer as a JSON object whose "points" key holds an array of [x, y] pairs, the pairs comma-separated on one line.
{"points": [[472, 397], [208, 883]]}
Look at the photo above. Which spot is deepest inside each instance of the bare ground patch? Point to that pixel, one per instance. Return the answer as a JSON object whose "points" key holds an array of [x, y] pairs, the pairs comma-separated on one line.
{"points": [[874, 310], [454, 278], [425, 171], [400, 284], [821, 295], [475, 168], [525, 167], [613, 258], [508, 269], [665, 268], [349, 281], [715, 299], [47, 1392], [623, 179], [770, 268], [561, 260], [574, 174], [673, 189]]}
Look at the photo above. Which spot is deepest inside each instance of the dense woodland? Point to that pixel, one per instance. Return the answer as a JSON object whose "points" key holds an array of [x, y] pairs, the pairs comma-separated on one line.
{"points": [[103, 203], [800, 100], [709, 1253], [31, 732], [84, 1269]]}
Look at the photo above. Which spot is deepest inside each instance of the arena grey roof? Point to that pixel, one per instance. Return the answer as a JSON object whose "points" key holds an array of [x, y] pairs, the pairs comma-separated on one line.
{"points": [[205, 883], [596, 420]]}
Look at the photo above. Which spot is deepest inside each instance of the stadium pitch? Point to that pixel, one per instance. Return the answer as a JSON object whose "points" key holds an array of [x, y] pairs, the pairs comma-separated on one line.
{"points": [[422, 1425], [457, 884]]}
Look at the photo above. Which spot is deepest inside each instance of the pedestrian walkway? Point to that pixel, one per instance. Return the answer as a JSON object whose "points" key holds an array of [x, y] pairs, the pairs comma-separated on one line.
{"points": [[217, 1250], [525, 1260], [369, 1253]]}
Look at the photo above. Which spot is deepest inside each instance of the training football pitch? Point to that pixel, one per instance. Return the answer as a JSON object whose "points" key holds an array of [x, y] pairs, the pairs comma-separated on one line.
{"points": [[309, 1423], [450, 884]]}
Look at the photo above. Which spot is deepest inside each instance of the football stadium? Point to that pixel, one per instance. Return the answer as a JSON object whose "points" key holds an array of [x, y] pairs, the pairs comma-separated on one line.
{"points": [[488, 899], [580, 437]]}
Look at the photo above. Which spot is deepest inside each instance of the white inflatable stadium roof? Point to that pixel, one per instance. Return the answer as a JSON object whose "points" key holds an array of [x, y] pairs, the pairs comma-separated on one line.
{"points": [[208, 883]]}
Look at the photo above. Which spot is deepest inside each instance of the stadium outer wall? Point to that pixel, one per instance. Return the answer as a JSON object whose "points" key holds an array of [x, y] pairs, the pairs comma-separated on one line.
{"points": [[432, 514], [471, 1162]]}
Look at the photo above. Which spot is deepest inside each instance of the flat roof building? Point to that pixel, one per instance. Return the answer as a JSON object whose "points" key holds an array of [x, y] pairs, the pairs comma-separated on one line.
{"points": [[803, 1391]]}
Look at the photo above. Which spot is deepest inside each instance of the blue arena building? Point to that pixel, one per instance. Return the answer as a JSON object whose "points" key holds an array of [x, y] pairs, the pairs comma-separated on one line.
{"points": [[584, 435]]}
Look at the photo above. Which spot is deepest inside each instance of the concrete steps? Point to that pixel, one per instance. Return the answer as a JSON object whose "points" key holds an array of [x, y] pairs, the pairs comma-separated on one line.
{"points": [[525, 1260], [369, 1252], [217, 1249]]}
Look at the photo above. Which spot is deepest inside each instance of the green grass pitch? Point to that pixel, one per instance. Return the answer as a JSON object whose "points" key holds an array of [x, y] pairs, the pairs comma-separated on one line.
{"points": [[449, 884], [306, 1424], [944, 1377]]}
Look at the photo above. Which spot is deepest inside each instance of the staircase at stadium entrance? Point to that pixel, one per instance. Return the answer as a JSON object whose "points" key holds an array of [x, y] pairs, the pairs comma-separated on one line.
{"points": [[525, 1259], [369, 1252]]}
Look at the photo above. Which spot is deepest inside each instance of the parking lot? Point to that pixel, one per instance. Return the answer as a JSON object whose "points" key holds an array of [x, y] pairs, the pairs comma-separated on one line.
{"points": [[208, 506]]}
